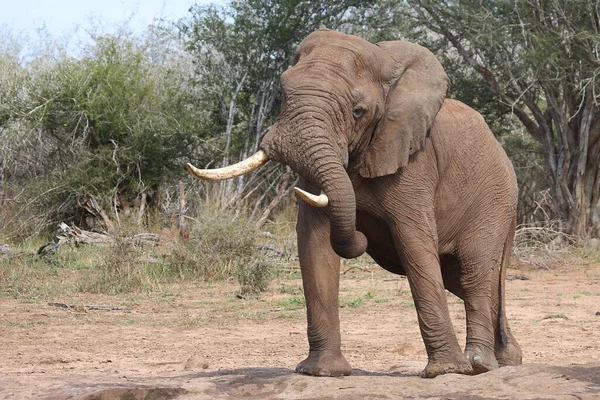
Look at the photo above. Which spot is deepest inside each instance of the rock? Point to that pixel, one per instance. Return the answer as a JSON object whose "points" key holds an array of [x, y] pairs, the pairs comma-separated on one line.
{"points": [[117, 392], [598, 313], [4, 251], [520, 277], [592, 244], [48, 249], [195, 363]]}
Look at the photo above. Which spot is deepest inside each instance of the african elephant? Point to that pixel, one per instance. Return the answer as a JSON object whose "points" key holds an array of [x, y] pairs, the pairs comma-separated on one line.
{"points": [[416, 180]]}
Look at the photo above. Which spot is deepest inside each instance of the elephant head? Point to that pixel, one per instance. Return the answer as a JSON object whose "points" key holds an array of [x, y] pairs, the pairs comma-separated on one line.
{"points": [[348, 102]]}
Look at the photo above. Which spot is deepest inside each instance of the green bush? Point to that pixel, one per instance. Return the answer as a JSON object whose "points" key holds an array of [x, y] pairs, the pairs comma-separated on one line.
{"points": [[221, 246]]}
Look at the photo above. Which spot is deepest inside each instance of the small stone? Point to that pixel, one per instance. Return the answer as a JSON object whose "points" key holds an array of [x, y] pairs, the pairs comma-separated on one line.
{"points": [[195, 363], [405, 350], [592, 244], [598, 313], [4, 251]]}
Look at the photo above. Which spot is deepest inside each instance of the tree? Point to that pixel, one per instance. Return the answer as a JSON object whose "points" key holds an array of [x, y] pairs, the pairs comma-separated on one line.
{"points": [[105, 129], [540, 58], [240, 51]]}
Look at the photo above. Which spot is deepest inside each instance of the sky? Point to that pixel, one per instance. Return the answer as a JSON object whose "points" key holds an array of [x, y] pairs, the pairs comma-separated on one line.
{"points": [[70, 17]]}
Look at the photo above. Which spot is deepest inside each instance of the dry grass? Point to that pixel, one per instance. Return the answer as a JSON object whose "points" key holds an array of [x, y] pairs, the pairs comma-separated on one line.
{"points": [[543, 246], [220, 246]]}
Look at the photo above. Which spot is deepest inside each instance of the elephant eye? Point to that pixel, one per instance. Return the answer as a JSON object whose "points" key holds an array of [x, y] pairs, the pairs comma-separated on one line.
{"points": [[358, 112]]}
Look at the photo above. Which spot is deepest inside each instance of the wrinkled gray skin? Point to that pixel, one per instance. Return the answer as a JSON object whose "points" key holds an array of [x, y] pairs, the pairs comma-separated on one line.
{"points": [[415, 180]]}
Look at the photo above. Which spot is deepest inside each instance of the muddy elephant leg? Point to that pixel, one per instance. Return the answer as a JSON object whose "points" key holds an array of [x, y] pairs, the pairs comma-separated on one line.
{"points": [[460, 279], [419, 257], [475, 281], [506, 347], [320, 268]]}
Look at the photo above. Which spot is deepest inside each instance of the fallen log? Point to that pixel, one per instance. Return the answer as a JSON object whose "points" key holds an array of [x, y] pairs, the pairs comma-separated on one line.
{"points": [[79, 236], [82, 307], [73, 234]]}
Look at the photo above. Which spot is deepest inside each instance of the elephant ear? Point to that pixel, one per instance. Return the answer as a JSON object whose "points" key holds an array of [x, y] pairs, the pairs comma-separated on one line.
{"points": [[417, 86]]}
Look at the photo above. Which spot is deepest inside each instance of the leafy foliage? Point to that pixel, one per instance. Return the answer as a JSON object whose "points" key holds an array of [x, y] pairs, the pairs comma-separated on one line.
{"points": [[540, 58], [106, 131], [114, 123]]}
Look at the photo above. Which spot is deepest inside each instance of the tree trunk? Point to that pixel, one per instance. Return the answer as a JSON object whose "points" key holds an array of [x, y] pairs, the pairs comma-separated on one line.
{"points": [[227, 184], [566, 122]]}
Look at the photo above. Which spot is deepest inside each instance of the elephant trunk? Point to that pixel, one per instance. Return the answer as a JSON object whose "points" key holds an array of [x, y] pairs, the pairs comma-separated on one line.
{"points": [[345, 239], [316, 160]]}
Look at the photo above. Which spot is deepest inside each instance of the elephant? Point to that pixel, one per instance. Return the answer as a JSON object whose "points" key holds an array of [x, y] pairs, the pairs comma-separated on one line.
{"points": [[391, 167]]}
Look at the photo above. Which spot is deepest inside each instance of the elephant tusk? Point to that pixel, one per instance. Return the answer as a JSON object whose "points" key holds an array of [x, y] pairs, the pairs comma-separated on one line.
{"points": [[315, 201], [241, 168]]}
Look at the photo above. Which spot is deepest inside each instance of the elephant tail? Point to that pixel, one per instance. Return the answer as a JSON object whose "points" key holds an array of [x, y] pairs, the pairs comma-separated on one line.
{"points": [[506, 251]]}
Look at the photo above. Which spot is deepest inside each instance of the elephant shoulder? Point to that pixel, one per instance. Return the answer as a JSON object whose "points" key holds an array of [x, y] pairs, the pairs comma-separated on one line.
{"points": [[457, 124], [460, 135], [455, 115]]}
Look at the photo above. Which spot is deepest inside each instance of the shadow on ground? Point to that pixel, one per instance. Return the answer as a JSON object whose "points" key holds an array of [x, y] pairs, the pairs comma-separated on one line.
{"points": [[523, 382]]}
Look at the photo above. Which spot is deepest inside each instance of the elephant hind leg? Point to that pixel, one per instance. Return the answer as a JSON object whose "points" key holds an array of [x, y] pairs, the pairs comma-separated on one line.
{"points": [[469, 277], [419, 258], [506, 348], [475, 283]]}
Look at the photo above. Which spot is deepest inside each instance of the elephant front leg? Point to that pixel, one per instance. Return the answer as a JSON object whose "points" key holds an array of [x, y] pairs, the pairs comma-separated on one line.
{"points": [[320, 277]]}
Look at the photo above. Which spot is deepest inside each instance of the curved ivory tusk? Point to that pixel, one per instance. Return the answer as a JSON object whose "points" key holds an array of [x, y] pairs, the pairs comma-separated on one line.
{"points": [[315, 201], [241, 168]]}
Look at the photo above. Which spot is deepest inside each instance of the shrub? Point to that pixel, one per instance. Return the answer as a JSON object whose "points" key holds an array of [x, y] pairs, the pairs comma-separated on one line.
{"points": [[220, 246]]}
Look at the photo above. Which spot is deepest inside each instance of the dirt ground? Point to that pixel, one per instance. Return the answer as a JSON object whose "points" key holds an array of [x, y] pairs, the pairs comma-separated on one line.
{"points": [[203, 342]]}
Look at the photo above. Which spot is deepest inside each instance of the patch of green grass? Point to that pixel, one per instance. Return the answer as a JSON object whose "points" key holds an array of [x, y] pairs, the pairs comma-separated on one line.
{"points": [[353, 303], [204, 303], [407, 303], [193, 322], [289, 274], [586, 293], [556, 316], [28, 277], [294, 290], [27, 323], [261, 314], [379, 301], [220, 246], [287, 314], [129, 321], [292, 303]]}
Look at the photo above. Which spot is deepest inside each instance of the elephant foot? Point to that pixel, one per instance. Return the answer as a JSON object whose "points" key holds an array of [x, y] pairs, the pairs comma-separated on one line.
{"points": [[481, 360], [435, 368], [454, 363], [324, 364], [509, 355]]}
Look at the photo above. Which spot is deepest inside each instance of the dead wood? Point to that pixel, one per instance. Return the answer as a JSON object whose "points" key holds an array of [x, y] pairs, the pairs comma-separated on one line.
{"points": [[73, 234], [364, 269], [275, 250], [85, 307]]}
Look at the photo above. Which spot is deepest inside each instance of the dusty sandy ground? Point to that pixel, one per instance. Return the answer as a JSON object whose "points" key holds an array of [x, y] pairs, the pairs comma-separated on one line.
{"points": [[203, 342]]}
